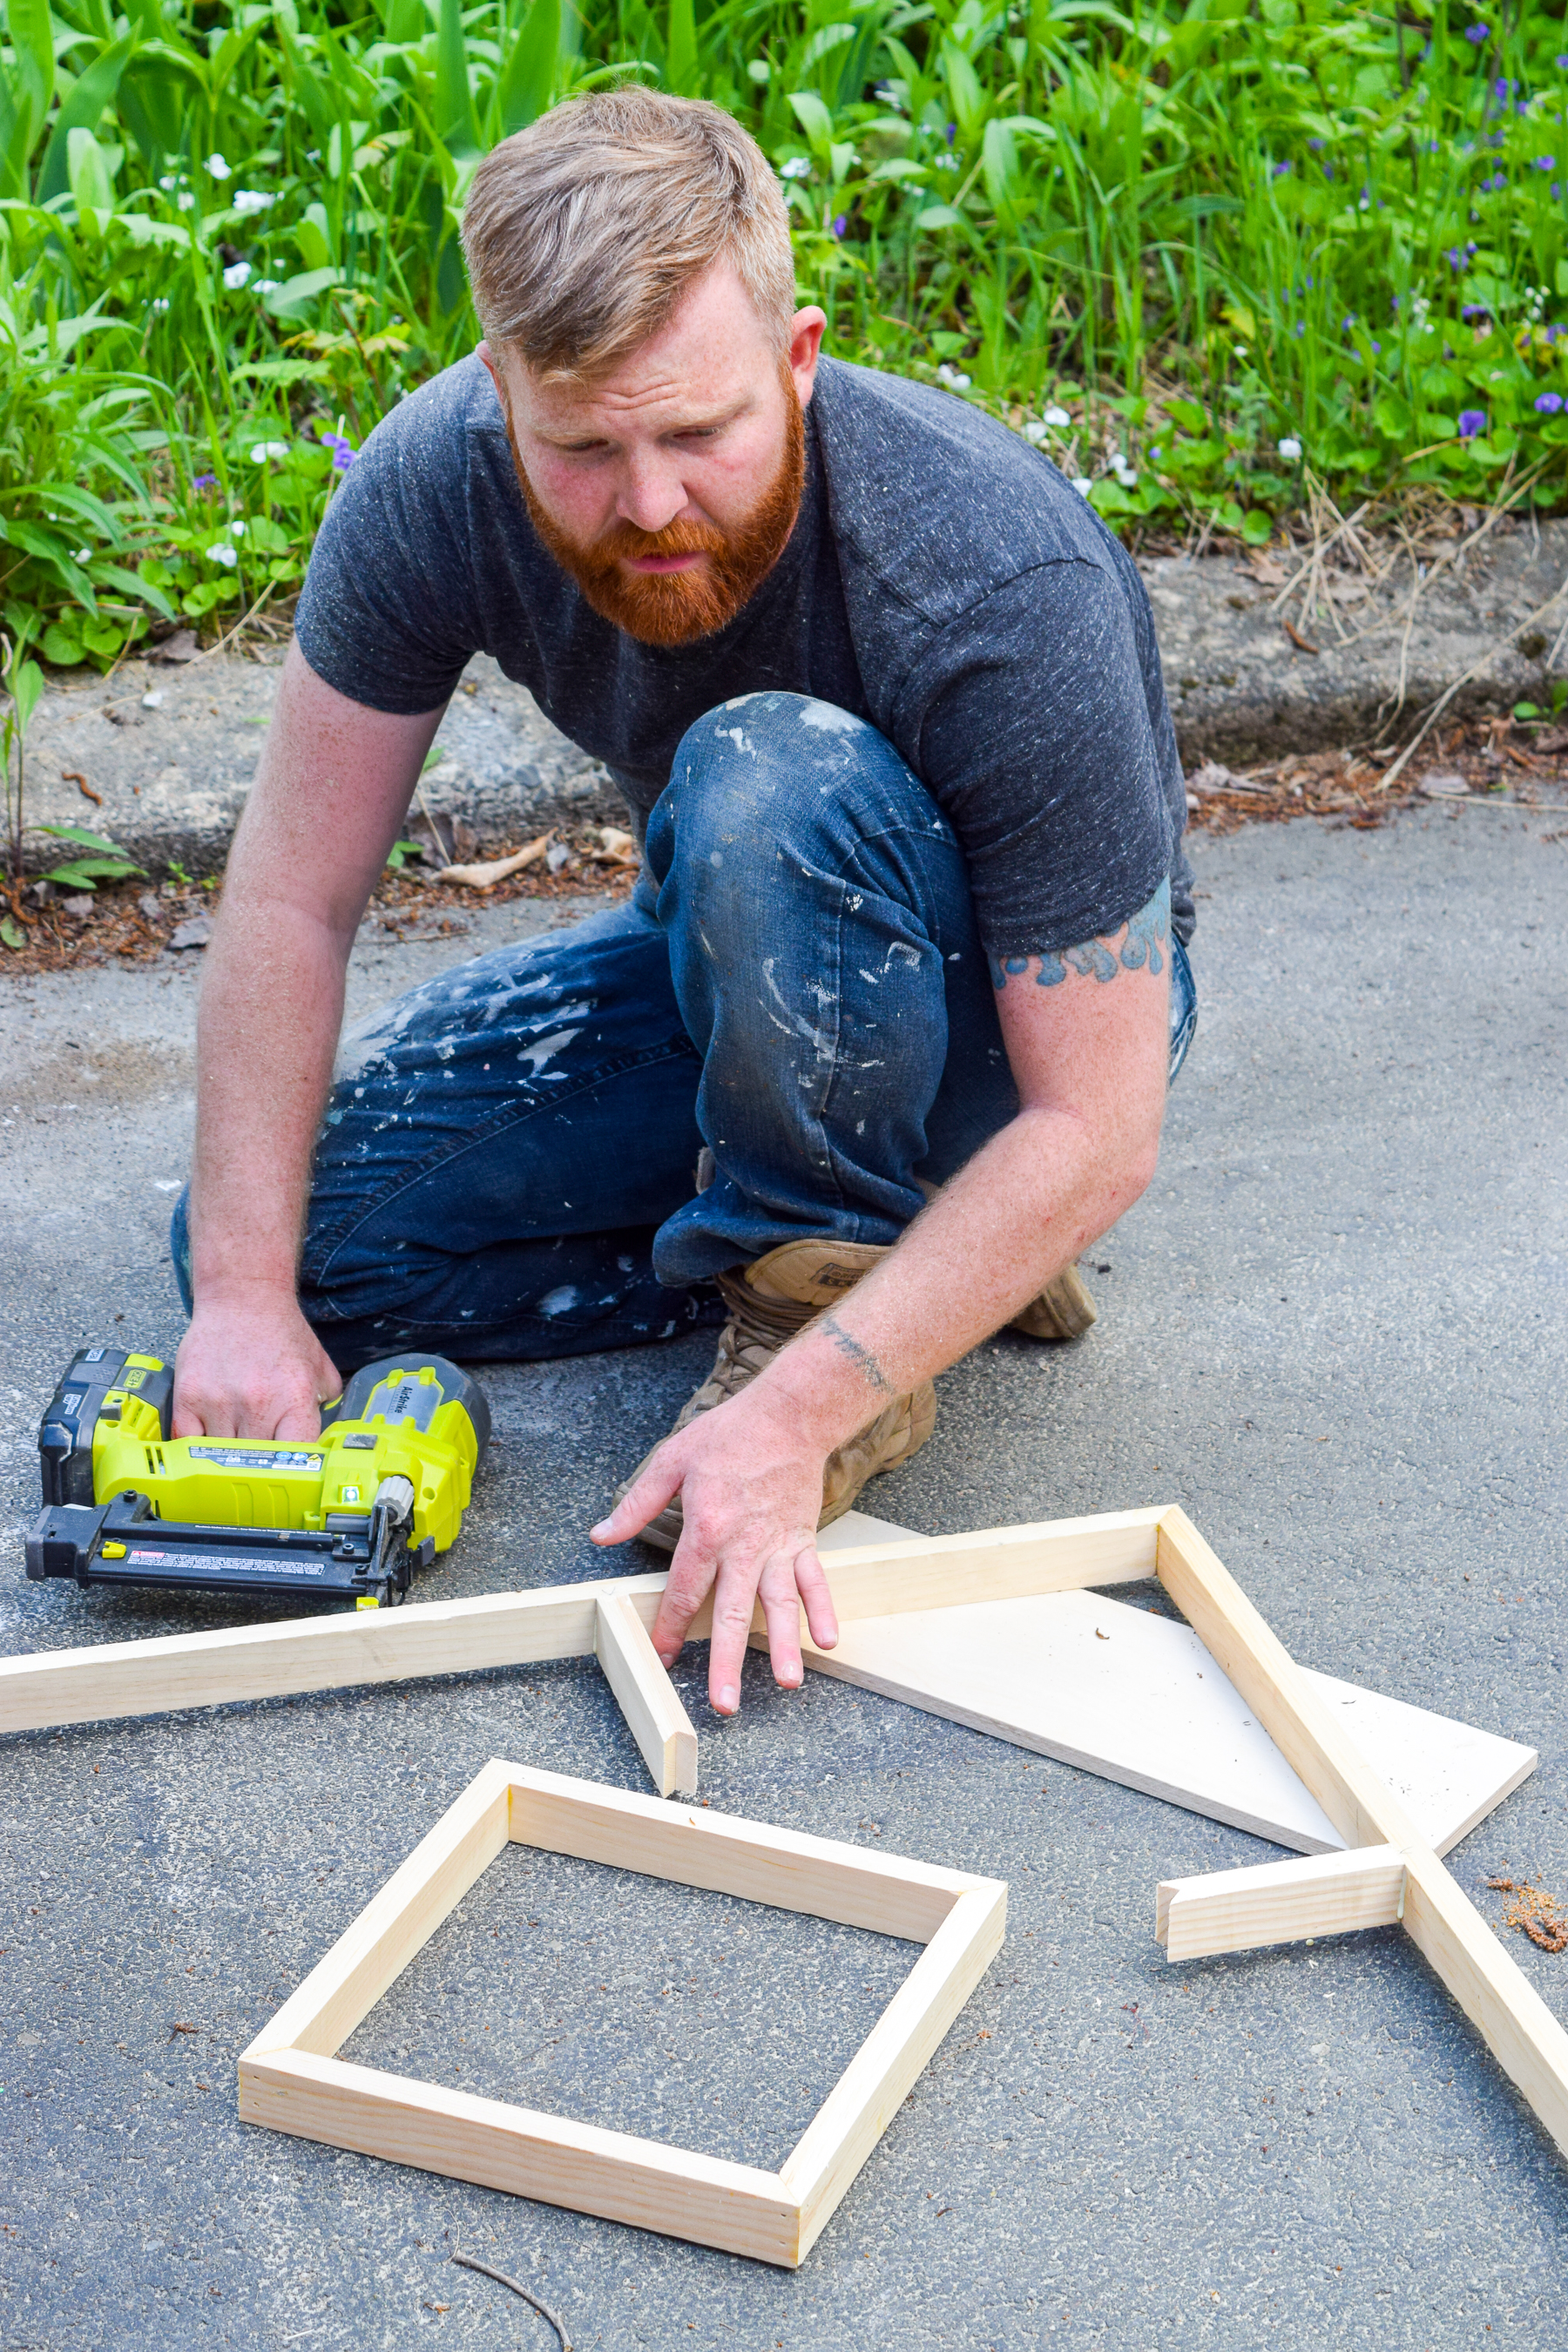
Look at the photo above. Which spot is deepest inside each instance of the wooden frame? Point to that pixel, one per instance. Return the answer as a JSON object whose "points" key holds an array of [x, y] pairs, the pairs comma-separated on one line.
{"points": [[1281, 1900], [107, 1680], [291, 2080]]}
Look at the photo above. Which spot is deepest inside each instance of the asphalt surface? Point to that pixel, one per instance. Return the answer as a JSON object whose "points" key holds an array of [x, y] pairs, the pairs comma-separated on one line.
{"points": [[1333, 1329]]}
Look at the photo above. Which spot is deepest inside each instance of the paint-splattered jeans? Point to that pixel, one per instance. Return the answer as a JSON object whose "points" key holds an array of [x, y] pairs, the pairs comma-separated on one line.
{"points": [[507, 1167]]}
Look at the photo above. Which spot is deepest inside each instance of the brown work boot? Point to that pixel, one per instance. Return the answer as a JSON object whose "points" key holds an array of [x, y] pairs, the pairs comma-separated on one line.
{"points": [[769, 1302], [1063, 1311]]}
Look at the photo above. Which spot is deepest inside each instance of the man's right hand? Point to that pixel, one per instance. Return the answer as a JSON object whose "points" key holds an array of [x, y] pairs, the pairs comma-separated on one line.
{"points": [[252, 1368]]}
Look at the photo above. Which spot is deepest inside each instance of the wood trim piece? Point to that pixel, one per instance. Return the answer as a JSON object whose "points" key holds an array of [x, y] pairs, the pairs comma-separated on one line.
{"points": [[1495, 1994], [528, 2154], [655, 1717], [1280, 1902], [113, 1679], [291, 2081]]}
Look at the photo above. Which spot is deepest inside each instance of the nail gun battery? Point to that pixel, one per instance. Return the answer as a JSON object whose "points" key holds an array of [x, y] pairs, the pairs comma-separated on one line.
{"points": [[120, 1542]]}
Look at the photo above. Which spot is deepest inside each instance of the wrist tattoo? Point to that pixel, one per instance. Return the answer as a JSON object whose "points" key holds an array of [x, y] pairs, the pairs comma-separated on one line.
{"points": [[864, 1361]]}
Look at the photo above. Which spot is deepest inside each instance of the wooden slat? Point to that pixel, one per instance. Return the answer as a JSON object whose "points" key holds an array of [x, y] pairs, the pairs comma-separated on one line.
{"points": [[655, 1717], [611, 2174], [882, 2073], [303, 1653], [1280, 1902], [886, 1892], [350, 1979], [1490, 1988], [509, 1629]]}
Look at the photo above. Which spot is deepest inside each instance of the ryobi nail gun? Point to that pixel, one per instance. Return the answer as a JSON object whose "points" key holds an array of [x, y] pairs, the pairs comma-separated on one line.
{"points": [[348, 1516]]}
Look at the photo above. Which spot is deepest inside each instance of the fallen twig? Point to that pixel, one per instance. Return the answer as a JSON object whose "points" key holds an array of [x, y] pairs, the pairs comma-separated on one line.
{"points": [[1437, 708], [559, 2325], [486, 876]]}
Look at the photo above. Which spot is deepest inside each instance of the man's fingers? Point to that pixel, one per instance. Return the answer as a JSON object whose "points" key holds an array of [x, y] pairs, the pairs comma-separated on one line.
{"points": [[781, 1608], [300, 1421], [642, 1501], [811, 1582], [732, 1604]]}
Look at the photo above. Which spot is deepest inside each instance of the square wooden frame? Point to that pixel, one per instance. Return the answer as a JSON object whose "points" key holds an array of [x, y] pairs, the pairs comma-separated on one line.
{"points": [[291, 2080]]}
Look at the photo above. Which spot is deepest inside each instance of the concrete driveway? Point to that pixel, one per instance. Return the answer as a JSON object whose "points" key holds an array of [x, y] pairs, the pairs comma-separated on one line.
{"points": [[1333, 1329]]}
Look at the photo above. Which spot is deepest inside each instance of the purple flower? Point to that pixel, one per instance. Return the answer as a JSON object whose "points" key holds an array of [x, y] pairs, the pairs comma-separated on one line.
{"points": [[1548, 403], [1501, 88], [1455, 258], [1476, 33], [1317, 145], [1474, 310], [1280, 171], [841, 222], [1561, 64], [204, 481], [1300, 328], [1346, 324], [1546, 162], [1376, 345], [1471, 422], [951, 132], [343, 451], [1309, 284], [1328, 170]]}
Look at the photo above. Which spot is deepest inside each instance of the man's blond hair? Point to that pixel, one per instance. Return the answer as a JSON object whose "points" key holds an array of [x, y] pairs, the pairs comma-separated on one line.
{"points": [[583, 231]]}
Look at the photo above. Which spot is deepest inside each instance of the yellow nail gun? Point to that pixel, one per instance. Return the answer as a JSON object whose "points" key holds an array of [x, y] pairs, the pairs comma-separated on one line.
{"points": [[348, 1516]]}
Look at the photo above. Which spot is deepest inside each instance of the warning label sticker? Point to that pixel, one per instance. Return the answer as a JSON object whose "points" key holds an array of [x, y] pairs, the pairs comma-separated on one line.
{"points": [[255, 1457], [290, 1565]]}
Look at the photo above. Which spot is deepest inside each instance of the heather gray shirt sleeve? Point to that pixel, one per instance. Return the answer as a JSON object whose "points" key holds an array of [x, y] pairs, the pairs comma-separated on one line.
{"points": [[389, 615], [1035, 740]]}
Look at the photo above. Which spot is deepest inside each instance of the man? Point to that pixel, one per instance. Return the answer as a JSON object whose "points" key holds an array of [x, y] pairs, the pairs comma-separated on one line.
{"points": [[882, 1042]]}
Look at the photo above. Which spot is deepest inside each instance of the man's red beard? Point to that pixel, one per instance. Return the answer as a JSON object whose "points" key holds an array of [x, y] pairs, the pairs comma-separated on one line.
{"points": [[677, 608]]}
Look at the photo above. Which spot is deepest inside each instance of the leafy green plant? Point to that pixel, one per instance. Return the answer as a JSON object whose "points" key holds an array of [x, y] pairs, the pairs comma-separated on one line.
{"points": [[105, 860], [24, 683]]}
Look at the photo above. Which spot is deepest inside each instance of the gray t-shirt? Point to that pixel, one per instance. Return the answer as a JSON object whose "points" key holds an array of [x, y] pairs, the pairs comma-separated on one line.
{"points": [[943, 580]]}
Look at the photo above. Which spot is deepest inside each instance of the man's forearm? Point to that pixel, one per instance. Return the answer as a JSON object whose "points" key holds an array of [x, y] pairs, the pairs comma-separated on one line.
{"points": [[1024, 1206], [271, 1006]]}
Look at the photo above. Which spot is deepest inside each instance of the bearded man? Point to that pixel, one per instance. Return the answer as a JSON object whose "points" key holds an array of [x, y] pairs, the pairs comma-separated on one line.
{"points": [[882, 1039]]}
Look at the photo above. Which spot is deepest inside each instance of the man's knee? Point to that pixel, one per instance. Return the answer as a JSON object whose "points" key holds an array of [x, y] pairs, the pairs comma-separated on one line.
{"points": [[777, 779]]}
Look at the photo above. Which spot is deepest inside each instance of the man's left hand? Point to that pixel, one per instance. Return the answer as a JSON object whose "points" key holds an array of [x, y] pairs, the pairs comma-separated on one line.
{"points": [[750, 1480]]}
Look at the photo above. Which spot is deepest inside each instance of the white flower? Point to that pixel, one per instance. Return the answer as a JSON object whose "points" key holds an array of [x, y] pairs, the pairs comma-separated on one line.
{"points": [[798, 168], [81, 555], [219, 169], [265, 285], [251, 200], [265, 451], [1035, 434], [160, 302], [222, 551], [184, 200], [1055, 417], [169, 180], [1082, 484], [1290, 450], [238, 528], [237, 275], [953, 377]]}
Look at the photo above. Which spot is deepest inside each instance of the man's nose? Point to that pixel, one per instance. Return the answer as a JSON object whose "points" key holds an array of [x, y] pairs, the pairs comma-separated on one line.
{"points": [[652, 492]]}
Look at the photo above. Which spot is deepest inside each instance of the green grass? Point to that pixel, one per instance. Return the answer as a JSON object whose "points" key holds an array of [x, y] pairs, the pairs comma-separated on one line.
{"points": [[1204, 255]]}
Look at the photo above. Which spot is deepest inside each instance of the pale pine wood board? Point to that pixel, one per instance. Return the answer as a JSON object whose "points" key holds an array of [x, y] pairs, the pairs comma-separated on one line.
{"points": [[289, 2079], [655, 1717], [111, 1679], [734, 2206], [1516, 2024], [1147, 1707], [879, 2078], [1280, 1902]]}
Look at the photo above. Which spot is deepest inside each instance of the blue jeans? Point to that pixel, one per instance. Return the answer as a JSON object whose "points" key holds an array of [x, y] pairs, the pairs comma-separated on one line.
{"points": [[506, 1168]]}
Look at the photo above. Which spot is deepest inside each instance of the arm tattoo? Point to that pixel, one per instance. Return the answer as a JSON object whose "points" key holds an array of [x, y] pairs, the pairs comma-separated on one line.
{"points": [[864, 1361], [1136, 946]]}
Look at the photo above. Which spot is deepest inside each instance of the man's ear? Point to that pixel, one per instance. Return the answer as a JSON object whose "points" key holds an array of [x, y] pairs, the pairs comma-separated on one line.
{"points": [[496, 377], [805, 345]]}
